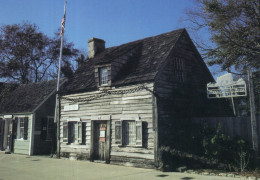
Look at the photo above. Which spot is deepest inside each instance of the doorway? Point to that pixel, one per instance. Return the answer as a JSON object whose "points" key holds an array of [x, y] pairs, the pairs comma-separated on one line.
{"points": [[12, 132], [101, 140]]}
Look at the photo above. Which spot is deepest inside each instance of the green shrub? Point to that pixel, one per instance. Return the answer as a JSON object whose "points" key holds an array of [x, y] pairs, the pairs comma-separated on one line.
{"points": [[197, 146], [235, 152]]}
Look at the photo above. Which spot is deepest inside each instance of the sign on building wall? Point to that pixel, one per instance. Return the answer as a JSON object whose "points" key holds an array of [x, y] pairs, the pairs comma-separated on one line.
{"points": [[226, 87], [74, 107], [8, 116]]}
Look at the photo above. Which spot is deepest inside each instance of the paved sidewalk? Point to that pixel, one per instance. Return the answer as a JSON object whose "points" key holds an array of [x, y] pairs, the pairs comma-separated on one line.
{"points": [[22, 167]]}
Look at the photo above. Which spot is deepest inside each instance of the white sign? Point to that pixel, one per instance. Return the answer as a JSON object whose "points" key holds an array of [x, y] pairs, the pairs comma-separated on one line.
{"points": [[226, 87], [74, 107], [8, 116], [102, 134]]}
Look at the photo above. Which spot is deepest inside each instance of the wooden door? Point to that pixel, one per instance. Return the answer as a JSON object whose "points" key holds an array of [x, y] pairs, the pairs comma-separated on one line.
{"points": [[2, 128], [100, 140]]}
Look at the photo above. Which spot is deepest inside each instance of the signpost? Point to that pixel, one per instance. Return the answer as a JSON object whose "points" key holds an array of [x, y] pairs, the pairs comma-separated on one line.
{"points": [[226, 87]]}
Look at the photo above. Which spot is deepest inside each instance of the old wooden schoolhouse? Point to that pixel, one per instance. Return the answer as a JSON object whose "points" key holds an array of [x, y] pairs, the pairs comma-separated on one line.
{"points": [[119, 104], [26, 119]]}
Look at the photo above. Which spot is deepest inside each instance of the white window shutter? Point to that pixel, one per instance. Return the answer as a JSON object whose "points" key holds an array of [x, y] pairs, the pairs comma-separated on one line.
{"points": [[65, 132], [25, 128], [118, 133], [18, 127], [80, 132], [139, 133]]}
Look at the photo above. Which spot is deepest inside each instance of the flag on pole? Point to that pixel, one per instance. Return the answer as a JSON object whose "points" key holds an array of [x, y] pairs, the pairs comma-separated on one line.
{"points": [[63, 24]]}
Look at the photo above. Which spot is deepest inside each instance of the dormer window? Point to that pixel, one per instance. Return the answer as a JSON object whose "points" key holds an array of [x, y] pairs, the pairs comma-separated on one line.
{"points": [[103, 76]]}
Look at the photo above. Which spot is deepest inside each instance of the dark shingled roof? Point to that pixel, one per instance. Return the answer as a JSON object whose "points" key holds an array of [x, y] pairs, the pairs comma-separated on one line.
{"points": [[6, 89], [26, 97], [143, 66]]}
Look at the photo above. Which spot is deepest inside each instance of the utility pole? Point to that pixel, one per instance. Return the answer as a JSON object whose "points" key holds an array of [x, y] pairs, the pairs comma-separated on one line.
{"points": [[252, 111]]}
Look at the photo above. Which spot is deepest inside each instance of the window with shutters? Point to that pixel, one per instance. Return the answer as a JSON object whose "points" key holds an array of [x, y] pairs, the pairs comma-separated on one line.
{"points": [[22, 127], [74, 132], [128, 133]]}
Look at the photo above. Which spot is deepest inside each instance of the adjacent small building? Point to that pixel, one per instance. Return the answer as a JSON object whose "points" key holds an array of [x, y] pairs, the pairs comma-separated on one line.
{"points": [[120, 104], [26, 116]]}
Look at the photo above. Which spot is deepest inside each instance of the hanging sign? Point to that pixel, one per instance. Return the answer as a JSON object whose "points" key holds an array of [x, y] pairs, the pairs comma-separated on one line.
{"points": [[226, 87]]}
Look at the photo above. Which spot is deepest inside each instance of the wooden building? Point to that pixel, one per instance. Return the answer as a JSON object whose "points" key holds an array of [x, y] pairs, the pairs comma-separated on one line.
{"points": [[26, 116], [120, 104]]}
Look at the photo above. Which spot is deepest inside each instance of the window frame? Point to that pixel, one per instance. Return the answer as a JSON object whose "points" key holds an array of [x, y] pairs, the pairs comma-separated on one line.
{"points": [[119, 133], [77, 129], [103, 77], [128, 133], [98, 74], [24, 128]]}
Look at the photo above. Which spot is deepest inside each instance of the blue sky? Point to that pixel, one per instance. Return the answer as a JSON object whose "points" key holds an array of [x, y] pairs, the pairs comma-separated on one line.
{"points": [[115, 21]]}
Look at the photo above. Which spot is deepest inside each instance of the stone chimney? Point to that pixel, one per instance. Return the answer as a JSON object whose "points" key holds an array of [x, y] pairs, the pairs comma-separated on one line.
{"points": [[95, 46]]}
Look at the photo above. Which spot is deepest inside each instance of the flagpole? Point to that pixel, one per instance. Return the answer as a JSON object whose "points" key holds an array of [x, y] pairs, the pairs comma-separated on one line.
{"points": [[56, 117]]}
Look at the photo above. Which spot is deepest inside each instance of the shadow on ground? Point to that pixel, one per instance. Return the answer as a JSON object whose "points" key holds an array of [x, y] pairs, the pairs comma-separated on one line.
{"points": [[162, 175]]}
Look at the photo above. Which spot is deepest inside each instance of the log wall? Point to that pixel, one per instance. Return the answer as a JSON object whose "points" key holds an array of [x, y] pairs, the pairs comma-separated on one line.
{"points": [[118, 107], [181, 98]]}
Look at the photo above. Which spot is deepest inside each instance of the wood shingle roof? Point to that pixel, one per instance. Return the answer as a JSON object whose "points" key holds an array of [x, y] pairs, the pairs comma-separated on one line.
{"points": [[26, 97], [142, 67]]}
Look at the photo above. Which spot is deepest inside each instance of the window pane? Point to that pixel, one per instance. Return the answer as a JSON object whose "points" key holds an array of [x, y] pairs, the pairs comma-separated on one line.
{"points": [[21, 128], [129, 132], [72, 132], [21, 133], [103, 76], [21, 122]]}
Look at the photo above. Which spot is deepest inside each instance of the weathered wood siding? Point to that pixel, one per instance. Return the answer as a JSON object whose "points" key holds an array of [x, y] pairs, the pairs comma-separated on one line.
{"points": [[119, 107], [23, 146], [182, 98]]}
